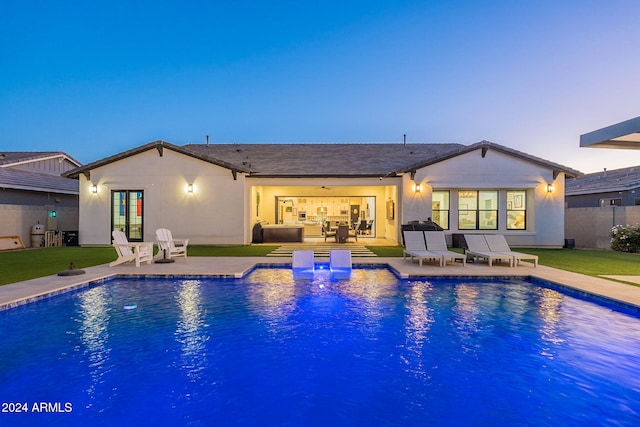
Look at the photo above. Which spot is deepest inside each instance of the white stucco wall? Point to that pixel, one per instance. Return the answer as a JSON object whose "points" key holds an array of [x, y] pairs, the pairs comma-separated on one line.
{"points": [[213, 214], [496, 171]]}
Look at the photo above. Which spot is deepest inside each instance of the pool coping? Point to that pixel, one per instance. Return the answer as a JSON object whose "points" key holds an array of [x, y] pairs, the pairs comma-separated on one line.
{"points": [[16, 294]]}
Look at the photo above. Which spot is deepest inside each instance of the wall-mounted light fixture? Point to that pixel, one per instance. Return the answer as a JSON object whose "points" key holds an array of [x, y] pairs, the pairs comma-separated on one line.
{"points": [[417, 187], [550, 188], [94, 189], [190, 188]]}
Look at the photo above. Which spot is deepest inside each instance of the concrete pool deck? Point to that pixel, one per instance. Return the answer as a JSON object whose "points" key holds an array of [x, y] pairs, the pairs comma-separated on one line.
{"points": [[23, 292]]}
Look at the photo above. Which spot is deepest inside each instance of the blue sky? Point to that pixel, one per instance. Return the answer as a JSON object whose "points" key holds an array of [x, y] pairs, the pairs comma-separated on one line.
{"points": [[93, 79]]}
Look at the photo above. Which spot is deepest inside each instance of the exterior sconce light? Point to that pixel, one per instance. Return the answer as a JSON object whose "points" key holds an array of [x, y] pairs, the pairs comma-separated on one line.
{"points": [[417, 187], [94, 189], [550, 188], [190, 188]]}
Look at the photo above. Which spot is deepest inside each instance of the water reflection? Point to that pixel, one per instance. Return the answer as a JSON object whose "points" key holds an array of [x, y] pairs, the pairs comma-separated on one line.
{"points": [[94, 319], [189, 332], [272, 294], [466, 311], [549, 312], [418, 320]]}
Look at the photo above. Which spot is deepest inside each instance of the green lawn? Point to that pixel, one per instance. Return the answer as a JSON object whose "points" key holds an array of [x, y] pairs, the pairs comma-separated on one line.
{"points": [[16, 266]]}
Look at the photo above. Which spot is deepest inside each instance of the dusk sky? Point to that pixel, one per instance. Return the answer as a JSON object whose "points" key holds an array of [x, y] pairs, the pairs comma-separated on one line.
{"points": [[94, 79]]}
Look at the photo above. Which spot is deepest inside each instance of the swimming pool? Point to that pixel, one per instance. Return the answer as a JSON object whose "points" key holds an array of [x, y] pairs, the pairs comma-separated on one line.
{"points": [[272, 349]]}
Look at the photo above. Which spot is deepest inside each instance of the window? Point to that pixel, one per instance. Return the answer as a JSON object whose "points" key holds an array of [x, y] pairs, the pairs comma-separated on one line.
{"points": [[126, 213], [516, 210], [440, 208], [477, 210], [610, 202]]}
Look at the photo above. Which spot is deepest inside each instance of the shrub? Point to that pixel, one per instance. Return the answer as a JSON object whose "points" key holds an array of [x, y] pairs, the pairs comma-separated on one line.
{"points": [[625, 238]]}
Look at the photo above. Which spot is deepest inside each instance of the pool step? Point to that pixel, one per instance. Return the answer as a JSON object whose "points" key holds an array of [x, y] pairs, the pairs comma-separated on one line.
{"points": [[322, 251]]}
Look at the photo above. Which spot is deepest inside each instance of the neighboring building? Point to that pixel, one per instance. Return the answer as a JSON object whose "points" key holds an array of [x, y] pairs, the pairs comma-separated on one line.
{"points": [[216, 193], [32, 191], [619, 187], [596, 202]]}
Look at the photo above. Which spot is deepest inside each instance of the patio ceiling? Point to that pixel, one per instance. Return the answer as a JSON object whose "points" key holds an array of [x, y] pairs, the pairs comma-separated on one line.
{"points": [[621, 135]]}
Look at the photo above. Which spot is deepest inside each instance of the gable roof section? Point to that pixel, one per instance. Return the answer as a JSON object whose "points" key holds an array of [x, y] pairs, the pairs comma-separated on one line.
{"points": [[324, 160], [18, 179], [160, 146], [620, 135], [15, 158], [485, 146], [604, 182]]}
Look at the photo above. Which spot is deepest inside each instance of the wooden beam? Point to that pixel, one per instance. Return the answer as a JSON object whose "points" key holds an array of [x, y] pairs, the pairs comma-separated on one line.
{"points": [[159, 148], [87, 175], [235, 174], [555, 174], [484, 151]]}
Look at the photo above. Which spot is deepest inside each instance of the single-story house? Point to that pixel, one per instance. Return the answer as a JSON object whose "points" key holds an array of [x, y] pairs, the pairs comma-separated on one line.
{"points": [[32, 191], [217, 193], [597, 201], [618, 187]]}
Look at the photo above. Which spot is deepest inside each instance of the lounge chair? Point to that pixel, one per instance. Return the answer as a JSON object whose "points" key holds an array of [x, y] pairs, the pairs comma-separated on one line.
{"points": [[340, 260], [477, 247], [170, 247], [416, 247], [498, 243], [436, 243], [137, 252], [302, 261]]}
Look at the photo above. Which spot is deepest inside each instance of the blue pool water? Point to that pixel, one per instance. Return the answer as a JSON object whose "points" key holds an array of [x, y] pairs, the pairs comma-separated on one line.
{"points": [[272, 349]]}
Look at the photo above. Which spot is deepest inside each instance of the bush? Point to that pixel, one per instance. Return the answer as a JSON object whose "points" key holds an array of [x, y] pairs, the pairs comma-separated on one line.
{"points": [[625, 238]]}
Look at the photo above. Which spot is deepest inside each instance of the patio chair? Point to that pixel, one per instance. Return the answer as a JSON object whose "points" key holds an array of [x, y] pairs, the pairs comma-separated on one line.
{"points": [[478, 248], [416, 247], [339, 260], [170, 247], [343, 235], [137, 252], [328, 232], [498, 243], [436, 243]]}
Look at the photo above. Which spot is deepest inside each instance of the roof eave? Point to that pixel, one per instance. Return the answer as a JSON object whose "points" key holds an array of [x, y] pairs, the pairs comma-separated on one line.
{"points": [[158, 145], [624, 135], [40, 189], [485, 146]]}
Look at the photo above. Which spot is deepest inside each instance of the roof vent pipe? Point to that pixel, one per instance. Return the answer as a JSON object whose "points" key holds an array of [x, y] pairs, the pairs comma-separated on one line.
{"points": [[207, 139], [405, 139]]}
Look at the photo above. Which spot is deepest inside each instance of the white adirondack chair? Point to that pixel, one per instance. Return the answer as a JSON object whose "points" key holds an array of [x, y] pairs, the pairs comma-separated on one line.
{"points": [[137, 252], [170, 247]]}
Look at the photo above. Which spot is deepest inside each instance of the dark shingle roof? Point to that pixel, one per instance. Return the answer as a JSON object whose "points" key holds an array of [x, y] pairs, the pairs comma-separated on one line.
{"points": [[604, 182], [8, 158], [27, 180], [322, 160]]}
